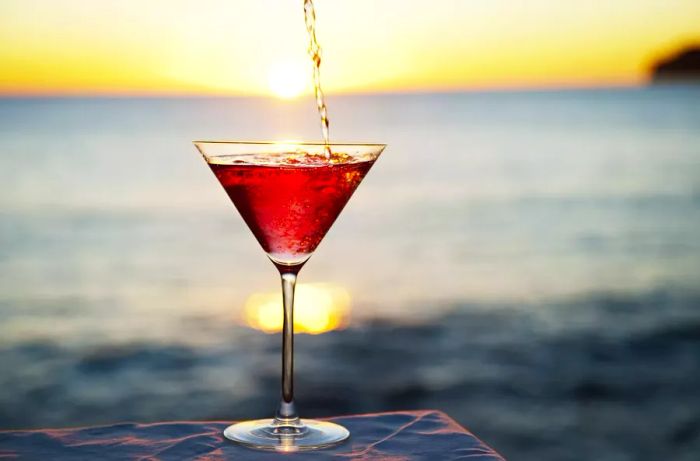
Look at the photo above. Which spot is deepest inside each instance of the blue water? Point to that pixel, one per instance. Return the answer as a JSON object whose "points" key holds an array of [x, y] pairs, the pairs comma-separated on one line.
{"points": [[527, 262]]}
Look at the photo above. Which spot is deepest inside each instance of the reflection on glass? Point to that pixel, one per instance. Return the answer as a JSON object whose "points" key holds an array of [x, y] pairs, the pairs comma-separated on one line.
{"points": [[318, 308]]}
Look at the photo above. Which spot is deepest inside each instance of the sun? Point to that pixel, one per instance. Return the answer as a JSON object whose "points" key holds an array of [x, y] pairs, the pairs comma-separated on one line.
{"points": [[287, 79]]}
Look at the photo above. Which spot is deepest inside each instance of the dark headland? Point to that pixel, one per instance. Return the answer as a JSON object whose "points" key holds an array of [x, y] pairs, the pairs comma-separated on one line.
{"points": [[681, 67]]}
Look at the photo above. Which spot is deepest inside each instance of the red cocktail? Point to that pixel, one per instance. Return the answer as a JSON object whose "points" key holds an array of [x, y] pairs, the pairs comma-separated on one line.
{"points": [[289, 201]]}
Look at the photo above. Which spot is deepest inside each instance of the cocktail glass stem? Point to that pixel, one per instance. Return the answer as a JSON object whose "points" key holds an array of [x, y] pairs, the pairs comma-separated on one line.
{"points": [[287, 413]]}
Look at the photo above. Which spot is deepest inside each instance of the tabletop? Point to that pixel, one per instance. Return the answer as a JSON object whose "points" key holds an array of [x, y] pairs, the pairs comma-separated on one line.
{"points": [[397, 436]]}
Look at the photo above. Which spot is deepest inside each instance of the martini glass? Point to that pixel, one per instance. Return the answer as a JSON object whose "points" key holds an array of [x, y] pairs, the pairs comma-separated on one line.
{"points": [[289, 195]]}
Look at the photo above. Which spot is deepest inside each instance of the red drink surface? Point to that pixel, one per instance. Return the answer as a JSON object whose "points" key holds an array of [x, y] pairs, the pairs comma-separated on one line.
{"points": [[290, 206]]}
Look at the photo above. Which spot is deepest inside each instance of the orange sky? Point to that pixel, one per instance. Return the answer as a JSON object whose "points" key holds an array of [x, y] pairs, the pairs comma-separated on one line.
{"points": [[235, 47]]}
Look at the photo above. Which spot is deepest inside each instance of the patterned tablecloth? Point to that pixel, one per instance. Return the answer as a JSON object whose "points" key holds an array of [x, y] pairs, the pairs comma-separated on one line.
{"points": [[399, 436]]}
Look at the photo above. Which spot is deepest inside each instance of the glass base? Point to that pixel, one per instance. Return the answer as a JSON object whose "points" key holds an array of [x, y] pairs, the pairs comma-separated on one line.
{"points": [[286, 435]]}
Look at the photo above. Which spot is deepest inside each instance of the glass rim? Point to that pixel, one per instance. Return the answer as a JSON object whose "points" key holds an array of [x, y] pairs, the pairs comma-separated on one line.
{"points": [[288, 143]]}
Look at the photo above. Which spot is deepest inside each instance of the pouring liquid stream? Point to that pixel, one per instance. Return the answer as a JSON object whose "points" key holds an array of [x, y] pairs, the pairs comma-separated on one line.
{"points": [[315, 54]]}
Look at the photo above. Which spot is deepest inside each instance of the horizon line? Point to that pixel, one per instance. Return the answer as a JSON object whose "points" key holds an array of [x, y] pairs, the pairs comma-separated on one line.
{"points": [[213, 94]]}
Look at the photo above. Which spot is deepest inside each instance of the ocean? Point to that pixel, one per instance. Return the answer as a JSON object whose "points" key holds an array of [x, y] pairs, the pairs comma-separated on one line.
{"points": [[528, 262]]}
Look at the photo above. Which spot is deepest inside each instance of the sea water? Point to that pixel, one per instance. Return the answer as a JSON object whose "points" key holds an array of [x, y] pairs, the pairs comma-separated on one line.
{"points": [[527, 261]]}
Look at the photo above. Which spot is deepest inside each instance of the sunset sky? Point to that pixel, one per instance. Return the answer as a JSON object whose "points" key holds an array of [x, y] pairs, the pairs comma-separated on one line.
{"points": [[242, 47]]}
